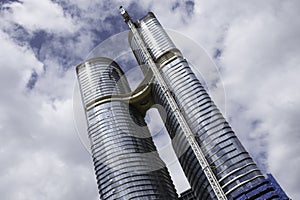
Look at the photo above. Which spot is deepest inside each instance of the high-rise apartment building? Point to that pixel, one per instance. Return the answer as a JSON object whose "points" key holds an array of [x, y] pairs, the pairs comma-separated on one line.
{"points": [[126, 162]]}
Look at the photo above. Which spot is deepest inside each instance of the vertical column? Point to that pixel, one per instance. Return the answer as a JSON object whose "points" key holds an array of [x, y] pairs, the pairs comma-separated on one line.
{"points": [[127, 165], [232, 165]]}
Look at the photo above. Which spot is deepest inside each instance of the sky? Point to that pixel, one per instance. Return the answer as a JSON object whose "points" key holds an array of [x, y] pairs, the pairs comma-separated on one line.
{"points": [[255, 83]]}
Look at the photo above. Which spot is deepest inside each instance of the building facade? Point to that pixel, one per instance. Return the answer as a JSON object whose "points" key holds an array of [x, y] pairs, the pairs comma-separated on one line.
{"points": [[126, 162], [187, 195], [127, 165]]}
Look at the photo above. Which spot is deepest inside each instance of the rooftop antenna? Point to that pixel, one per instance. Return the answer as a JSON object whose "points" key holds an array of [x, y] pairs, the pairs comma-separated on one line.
{"points": [[125, 14]]}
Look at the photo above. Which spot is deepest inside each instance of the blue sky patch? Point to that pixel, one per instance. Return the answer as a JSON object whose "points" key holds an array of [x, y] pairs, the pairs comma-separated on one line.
{"points": [[32, 80]]}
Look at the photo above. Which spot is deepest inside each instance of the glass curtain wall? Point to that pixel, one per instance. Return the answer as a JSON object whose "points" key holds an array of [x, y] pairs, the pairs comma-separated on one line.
{"points": [[127, 165]]}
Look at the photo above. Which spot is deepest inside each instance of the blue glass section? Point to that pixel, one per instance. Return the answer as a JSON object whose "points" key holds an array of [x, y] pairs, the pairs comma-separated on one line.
{"points": [[277, 187], [266, 189]]}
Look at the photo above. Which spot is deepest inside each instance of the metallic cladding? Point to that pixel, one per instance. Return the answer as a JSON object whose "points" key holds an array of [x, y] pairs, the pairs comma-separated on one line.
{"points": [[154, 36], [127, 165], [232, 165]]}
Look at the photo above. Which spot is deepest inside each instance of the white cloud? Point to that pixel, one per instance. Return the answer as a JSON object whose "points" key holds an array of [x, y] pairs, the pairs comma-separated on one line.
{"points": [[259, 64], [36, 15], [17, 60], [41, 155]]}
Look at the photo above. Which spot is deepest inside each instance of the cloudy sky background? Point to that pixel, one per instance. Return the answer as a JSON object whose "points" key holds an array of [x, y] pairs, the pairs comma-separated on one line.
{"points": [[255, 45]]}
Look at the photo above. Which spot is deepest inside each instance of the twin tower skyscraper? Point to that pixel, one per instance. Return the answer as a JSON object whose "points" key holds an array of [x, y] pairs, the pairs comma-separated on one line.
{"points": [[126, 161]]}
